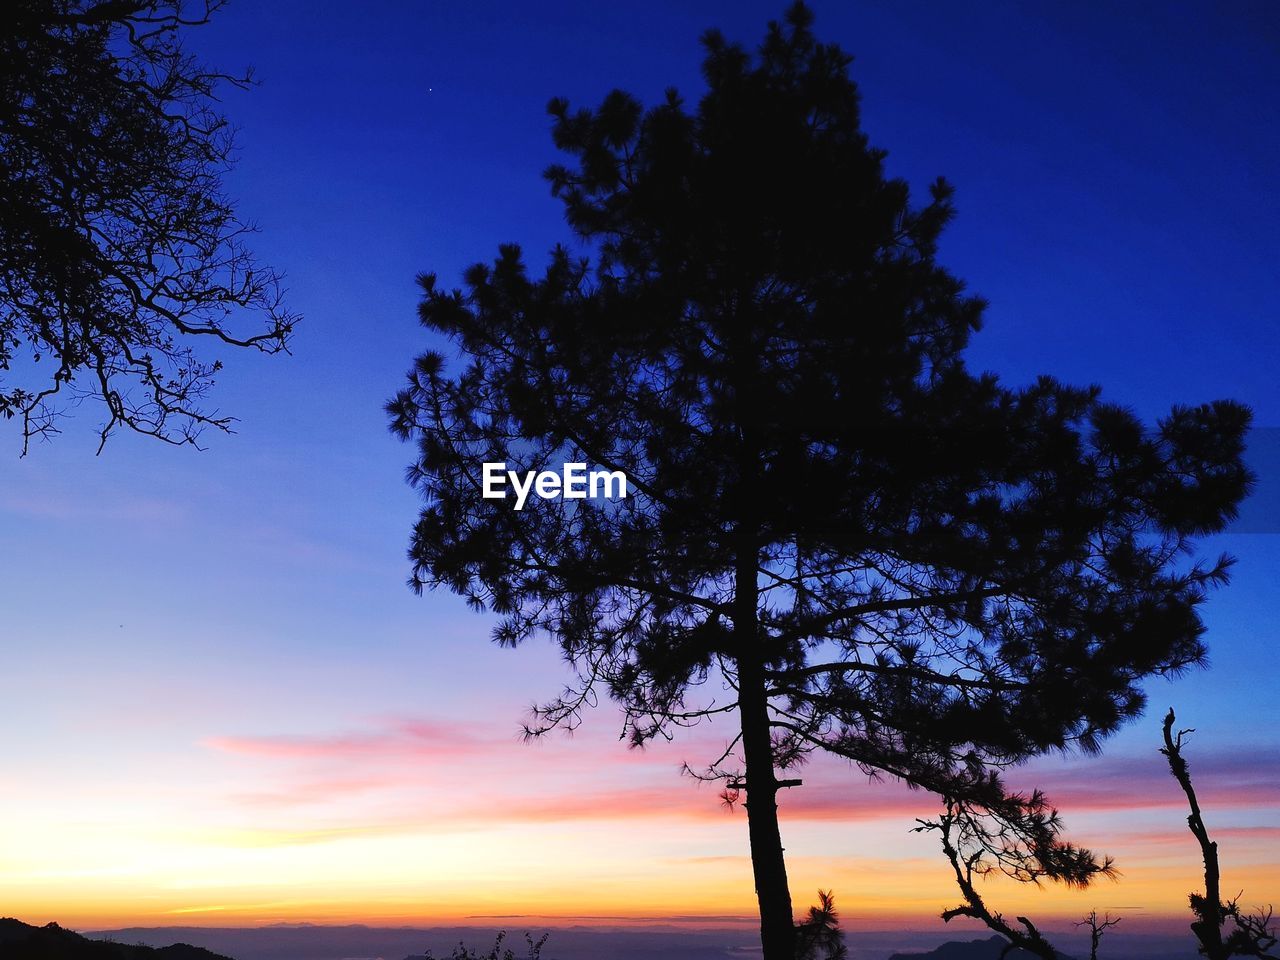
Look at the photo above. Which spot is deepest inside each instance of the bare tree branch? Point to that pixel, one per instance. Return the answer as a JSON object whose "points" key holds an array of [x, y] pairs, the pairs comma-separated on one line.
{"points": [[119, 247], [1249, 934]]}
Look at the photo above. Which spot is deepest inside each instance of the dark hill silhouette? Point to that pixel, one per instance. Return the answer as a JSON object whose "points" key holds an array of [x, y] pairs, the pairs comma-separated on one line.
{"points": [[21, 941], [988, 949]]}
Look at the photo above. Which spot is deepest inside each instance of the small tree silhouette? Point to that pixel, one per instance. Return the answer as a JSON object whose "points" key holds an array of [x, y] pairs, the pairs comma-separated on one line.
{"points": [[1246, 934], [818, 935], [1097, 927]]}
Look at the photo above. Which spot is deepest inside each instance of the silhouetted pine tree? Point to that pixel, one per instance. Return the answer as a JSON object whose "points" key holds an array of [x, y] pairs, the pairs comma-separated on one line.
{"points": [[874, 551]]}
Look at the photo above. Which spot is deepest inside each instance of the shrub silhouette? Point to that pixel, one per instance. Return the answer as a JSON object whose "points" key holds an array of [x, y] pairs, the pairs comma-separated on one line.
{"points": [[499, 950]]}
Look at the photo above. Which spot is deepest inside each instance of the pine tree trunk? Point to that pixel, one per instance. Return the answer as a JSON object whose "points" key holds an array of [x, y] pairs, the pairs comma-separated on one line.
{"points": [[777, 926], [777, 929]]}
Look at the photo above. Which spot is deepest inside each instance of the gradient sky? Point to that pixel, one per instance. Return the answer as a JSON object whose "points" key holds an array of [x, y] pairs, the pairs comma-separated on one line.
{"points": [[221, 705]]}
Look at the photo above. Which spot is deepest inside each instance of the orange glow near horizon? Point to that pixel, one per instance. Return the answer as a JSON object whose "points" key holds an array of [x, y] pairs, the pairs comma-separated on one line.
{"points": [[603, 872], [910, 898], [401, 820], [397, 822]]}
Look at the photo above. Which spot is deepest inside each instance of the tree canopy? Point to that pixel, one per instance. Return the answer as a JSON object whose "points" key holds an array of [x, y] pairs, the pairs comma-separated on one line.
{"points": [[118, 248], [835, 531]]}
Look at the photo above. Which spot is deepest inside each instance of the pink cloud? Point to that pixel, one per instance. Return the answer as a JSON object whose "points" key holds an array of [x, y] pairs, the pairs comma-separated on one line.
{"points": [[429, 772], [401, 738], [1260, 835], [1243, 777], [317, 791], [679, 798]]}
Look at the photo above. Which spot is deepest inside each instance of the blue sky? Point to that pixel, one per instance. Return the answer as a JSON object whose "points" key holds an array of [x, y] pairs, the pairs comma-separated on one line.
{"points": [[169, 612]]}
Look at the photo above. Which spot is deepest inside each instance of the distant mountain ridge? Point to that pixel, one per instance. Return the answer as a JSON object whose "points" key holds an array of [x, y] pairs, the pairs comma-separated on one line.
{"points": [[21, 941], [301, 941], [988, 949]]}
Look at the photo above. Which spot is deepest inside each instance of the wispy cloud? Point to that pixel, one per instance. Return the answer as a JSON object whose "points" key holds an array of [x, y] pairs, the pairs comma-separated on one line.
{"points": [[291, 837], [400, 738], [316, 791], [1244, 776], [67, 507], [416, 775], [1257, 835]]}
